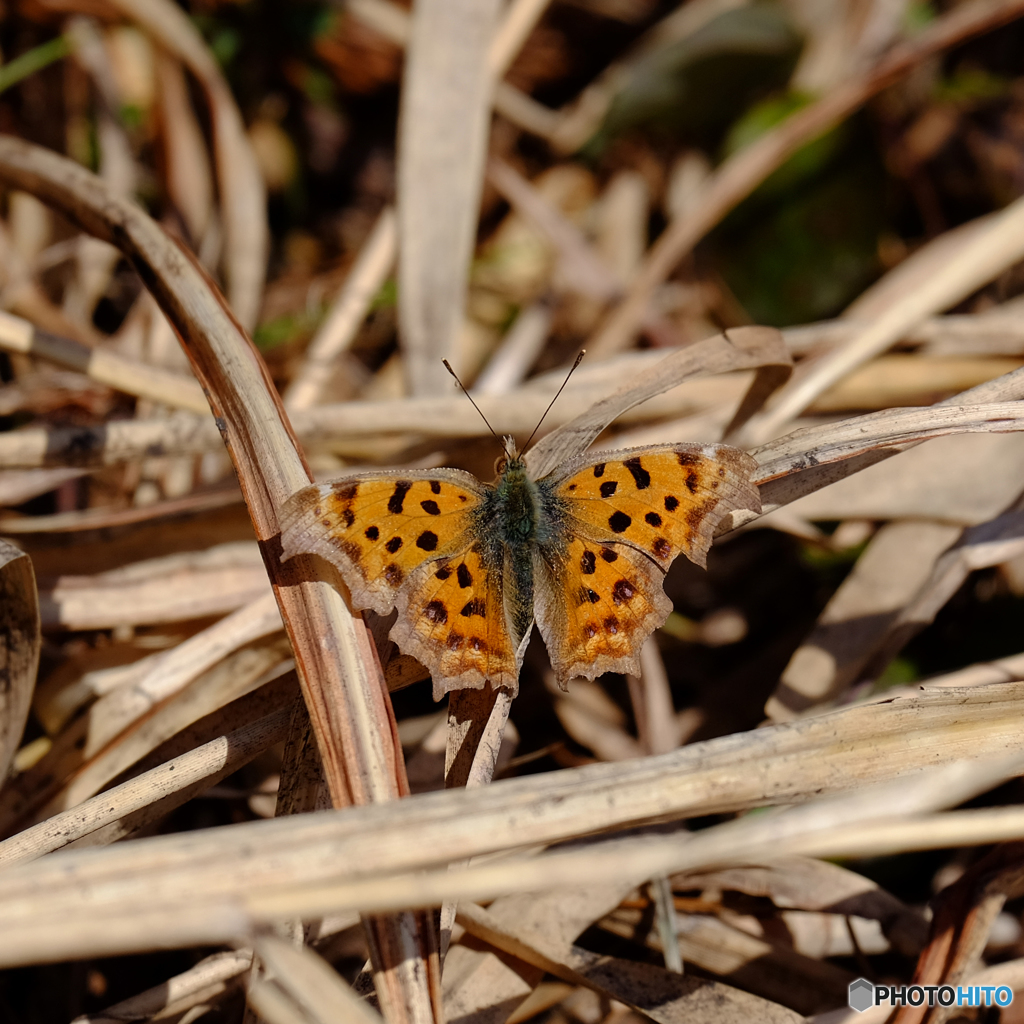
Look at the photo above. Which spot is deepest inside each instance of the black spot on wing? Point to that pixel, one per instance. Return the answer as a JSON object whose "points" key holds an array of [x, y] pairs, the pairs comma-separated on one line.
{"points": [[347, 516], [435, 486], [465, 577], [641, 477], [394, 544], [393, 574], [691, 481], [671, 503], [623, 591], [599, 469], [397, 499], [427, 541], [436, 612], [346, 492], [653, 519], [588, 563], [430, 507], [619, 522], [474, 607], [608, 488], [443, 573], [372, 533], [608, 555]]}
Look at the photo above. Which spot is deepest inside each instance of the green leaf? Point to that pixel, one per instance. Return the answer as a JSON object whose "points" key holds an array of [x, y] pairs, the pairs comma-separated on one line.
{"points": [[33, 60]]}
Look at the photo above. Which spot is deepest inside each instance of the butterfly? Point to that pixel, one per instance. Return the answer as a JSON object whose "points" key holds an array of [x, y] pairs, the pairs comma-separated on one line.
{"points": [[578, 545]]}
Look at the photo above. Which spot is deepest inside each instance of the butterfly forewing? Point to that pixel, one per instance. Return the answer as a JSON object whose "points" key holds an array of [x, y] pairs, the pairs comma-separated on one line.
{"points": [[663, 501], [378, 529]]}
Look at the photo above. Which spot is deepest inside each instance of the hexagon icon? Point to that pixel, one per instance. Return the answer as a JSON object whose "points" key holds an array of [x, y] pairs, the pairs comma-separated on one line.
{"points": [[862, 994]]}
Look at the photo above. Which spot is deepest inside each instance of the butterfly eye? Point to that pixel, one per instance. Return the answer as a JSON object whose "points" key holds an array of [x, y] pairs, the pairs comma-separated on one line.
{"points": [[500, 464]]}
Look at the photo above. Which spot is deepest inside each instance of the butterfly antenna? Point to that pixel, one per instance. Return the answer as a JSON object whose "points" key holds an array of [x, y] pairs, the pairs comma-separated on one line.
{"points": [[572, 370], [448, 367]]}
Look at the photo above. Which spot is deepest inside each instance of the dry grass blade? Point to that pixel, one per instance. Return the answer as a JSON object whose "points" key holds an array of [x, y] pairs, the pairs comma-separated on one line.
{"points": [[242, 194], [338, 330], [119, 441], [310, 982], [188, 889], [179, 779], [580, 267], [782, 461], [189, 177], [581, 118], [442, 141], [74, 768], [847, 825], [742, 173], [740, 349], [104, 367], [178, 587], [964, 915], [177, 994], [979, 547], [989, 252], [516, 24], [342, 681], [20, 644]]}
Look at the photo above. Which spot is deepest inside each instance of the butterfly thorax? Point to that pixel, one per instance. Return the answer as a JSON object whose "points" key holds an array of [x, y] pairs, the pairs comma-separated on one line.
{"points": [[514, 504]]}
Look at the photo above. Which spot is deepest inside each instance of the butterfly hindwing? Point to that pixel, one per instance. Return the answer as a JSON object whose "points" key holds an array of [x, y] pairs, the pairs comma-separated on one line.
{"points": [[664, 500], [377, 529], [595, 604], [451, 617]]}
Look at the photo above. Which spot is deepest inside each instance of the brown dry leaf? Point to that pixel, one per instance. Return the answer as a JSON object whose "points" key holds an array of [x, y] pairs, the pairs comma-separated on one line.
{"points": [[802, 883], [541, 929], [883, 581], [20, 644], [771, 971]]}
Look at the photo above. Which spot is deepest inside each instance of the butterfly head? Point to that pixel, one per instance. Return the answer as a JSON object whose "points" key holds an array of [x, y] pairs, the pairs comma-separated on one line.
{"points": [[509, 457]]}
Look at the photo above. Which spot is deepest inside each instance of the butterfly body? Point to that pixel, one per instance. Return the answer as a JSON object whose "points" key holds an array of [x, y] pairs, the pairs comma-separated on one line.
{"points": [[470, 566]]}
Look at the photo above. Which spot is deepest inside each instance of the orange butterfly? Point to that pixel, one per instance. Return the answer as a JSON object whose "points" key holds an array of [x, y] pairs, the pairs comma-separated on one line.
{"points": [[580, 545]]}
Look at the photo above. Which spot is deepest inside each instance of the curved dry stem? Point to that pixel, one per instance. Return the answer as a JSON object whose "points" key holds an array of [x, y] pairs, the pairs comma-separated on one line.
{"points": [[341, 677]]}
